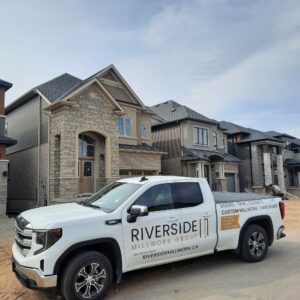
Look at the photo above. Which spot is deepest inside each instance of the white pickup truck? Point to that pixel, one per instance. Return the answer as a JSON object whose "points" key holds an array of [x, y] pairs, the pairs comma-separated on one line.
{"points": [[135, 223]]}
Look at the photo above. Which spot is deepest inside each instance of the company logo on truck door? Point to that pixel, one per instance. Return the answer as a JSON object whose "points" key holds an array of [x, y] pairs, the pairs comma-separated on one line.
{"points": [[157, 235]]}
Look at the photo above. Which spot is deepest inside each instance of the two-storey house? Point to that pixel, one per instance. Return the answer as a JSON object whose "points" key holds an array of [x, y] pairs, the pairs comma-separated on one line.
{"points": [[75, 136], [291, 161], [196, 146], [260, 154]]}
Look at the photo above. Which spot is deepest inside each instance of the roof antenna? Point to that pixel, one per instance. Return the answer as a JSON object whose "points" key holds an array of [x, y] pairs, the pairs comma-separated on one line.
{"points": [[143, 179]]}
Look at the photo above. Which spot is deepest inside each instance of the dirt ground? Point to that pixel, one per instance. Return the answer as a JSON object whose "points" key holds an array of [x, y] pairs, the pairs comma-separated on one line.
{"points": [[222, 275]]}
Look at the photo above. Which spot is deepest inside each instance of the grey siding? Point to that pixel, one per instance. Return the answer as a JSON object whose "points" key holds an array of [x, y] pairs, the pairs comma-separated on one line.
{"points": [[168, 139], [23, 125], [22, 184]]}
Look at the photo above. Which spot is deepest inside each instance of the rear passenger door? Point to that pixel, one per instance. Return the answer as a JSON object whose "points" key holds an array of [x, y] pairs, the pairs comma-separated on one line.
{"points": [[198, 219]]}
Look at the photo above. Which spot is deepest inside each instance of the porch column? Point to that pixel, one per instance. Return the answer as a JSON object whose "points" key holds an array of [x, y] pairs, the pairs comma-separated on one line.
{"points": [[267, 168], [280, 172], [200, 169], [222, 178]]}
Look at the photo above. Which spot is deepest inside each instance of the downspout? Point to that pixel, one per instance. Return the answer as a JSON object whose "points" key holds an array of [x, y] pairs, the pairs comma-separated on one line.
{"points": [[39, 154], [48, 179]]}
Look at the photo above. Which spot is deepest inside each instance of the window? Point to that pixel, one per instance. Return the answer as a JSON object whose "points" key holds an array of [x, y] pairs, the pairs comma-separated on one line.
{"points": [[291, 178], [86, 146], [200, 136], [124, 126], [215, 140], [188, 194], [157, 198], [143, 130], [88, 169], [124, 173]]}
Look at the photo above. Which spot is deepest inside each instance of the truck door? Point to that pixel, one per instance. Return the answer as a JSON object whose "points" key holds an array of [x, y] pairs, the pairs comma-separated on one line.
{"points": [[149, 240], [198, 219]]}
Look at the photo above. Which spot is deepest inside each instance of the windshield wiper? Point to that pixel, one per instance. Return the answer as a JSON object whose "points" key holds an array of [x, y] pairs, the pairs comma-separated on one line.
{"points": [[93, 206]]}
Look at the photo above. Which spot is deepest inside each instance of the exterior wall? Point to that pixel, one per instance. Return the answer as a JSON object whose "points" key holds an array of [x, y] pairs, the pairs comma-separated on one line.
{"points": [[140, 161], [90, 111], [2, 152], [172, 166], [3, 186], [187, 136], [23, 125], [168, 139], [23, 180], [257, 163]]}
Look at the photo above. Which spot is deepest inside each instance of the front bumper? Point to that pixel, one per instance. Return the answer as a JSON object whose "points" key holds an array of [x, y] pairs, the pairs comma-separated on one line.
{"points": [[33, 278]]}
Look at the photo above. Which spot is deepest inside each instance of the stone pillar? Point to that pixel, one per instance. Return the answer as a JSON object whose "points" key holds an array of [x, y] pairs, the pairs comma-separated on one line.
{"points": [[280, 172], [267, 168], [3, 186]]}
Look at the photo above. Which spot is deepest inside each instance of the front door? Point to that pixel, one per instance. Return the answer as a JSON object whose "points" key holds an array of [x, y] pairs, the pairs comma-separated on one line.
{"points": [[86, 176]]}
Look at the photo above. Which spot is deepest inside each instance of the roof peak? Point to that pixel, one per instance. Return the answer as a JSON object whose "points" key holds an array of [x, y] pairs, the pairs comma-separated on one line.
{"points": [[5, 84]]}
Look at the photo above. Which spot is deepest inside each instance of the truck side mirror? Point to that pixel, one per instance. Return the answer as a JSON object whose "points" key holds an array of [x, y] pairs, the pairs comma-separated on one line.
{"points": [[137, 211]]}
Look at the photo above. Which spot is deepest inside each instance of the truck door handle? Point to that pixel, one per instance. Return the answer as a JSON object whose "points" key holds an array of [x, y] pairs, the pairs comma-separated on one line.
{"points": [[173, 219]]}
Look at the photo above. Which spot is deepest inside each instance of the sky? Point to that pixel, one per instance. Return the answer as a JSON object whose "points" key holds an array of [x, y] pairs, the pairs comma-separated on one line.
{"points": [[230, 60]]}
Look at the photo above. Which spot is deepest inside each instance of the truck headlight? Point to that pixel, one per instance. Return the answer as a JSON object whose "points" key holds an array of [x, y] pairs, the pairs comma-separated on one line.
{"points": [[47, 238]]}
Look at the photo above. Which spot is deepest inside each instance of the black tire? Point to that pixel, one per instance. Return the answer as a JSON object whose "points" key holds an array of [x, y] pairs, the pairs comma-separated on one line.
{"points": [[87, 276], [254, 244]]}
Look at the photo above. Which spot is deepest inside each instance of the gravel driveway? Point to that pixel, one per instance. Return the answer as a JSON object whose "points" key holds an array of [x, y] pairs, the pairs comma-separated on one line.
{"points": [[221, 276]]}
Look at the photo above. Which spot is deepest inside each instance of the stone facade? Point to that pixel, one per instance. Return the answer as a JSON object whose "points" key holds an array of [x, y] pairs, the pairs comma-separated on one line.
{"points": [[89, 111]]}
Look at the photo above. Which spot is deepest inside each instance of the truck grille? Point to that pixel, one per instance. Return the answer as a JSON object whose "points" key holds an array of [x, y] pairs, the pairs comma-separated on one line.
{"points": [[23, 237]]}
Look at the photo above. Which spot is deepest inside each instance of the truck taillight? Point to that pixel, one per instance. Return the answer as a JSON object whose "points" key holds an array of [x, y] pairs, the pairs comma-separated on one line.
{"points": [[282, 209]]}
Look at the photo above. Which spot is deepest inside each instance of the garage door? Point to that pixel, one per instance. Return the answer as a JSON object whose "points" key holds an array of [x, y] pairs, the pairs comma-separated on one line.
{"points": [[230, 182]]}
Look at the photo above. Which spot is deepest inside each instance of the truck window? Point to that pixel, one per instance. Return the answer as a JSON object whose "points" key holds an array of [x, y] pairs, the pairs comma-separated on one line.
{"points": [[156, 198], [188, 194]]}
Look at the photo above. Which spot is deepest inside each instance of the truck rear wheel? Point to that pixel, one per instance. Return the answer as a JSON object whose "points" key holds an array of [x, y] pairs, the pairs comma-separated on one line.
{"points": [[254, 245], [87, 276]]}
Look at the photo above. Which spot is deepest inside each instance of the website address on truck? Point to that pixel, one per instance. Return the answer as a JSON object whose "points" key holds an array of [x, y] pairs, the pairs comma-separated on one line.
{"points": [[169, 252]]}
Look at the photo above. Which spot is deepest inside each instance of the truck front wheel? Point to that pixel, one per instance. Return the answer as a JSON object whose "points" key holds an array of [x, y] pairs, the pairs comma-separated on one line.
{"points": [[87, 276], [254, 244]]}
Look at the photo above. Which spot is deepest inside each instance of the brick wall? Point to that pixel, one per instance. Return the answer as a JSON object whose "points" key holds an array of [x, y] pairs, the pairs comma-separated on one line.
{"points": [[3, 186]]}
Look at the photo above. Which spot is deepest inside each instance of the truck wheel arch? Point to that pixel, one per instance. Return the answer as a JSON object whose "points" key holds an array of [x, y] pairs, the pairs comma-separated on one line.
{"points": [[265, 222], [107, 246]]}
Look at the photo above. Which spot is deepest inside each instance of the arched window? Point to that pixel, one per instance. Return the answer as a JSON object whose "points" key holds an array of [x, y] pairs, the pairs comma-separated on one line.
{"points": [[215, 140], [86, 146]]}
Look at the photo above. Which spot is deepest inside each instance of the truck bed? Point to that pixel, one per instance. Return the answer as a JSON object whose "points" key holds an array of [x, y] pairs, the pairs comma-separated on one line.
{"points": [[222, 197]]}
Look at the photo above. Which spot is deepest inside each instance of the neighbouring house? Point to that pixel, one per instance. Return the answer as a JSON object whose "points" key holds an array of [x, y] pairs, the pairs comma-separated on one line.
{"points": [[4, 143], [291, 161], [196, 146], [260, 154], [75, 136]]}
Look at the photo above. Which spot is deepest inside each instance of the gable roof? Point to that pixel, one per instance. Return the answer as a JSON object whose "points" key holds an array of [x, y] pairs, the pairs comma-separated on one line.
{"points": [[4, 84], [113, 91], [50, 90], [171, 111], [251, 134]]}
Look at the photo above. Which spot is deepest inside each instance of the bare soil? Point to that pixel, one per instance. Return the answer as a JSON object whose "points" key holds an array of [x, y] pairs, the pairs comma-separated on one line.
{"points": [[11, 289]]}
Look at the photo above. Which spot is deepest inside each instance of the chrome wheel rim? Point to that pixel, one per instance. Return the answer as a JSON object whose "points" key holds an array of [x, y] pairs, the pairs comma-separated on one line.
{"points": [[257, 244], [90, 280]]}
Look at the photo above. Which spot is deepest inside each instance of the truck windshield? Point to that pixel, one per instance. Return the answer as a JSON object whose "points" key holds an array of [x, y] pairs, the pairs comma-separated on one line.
{"points": [[112, 196]]}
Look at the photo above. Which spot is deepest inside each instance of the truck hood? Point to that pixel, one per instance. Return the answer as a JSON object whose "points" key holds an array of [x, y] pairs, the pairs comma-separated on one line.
{"points": [[57, 215]]}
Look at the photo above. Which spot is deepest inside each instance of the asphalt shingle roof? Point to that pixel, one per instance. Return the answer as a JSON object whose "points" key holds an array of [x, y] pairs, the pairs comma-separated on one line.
{"points": [[251, 135], [173, 111], [56, 87]]}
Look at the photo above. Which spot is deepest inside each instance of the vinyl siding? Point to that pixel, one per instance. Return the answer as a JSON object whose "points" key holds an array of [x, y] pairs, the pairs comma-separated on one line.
{"points": [[23, 125]]}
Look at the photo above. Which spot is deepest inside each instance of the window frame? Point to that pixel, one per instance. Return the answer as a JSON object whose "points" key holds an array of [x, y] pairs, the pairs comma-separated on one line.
{"points": [[196, 137], [144, 129], [215, 140], [124, 119]]}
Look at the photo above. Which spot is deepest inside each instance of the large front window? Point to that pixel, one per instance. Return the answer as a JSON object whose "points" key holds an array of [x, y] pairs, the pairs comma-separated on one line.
{"points": [[86, 146], [215, 140], [124, 126], [200, 136]]}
